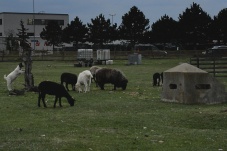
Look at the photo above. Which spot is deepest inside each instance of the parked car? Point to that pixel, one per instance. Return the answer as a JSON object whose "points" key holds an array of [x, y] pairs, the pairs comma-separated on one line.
{"points": [[159, 53], [152, 49], [216, 51]]}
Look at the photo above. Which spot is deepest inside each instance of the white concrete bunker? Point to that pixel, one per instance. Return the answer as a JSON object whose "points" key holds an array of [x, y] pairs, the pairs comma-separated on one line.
{"points": [[188, 84]]}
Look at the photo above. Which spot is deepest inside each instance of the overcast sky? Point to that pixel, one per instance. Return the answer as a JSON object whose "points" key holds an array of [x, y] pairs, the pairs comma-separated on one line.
{"points": [[88, 9]]}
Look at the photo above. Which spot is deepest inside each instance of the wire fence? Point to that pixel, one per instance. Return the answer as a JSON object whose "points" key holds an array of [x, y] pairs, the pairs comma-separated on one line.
{"points": [[114, 55]]}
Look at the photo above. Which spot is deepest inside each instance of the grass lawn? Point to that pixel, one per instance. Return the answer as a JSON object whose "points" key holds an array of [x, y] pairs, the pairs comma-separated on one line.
{"points": [[134, 119]]}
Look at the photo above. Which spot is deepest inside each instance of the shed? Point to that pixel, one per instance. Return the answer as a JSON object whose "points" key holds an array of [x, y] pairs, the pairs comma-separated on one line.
{"points": [[190, 85]]}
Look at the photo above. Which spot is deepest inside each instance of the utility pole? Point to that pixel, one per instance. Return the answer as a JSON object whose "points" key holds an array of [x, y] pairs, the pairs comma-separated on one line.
{"points": [[34, 24], [112, 15]]}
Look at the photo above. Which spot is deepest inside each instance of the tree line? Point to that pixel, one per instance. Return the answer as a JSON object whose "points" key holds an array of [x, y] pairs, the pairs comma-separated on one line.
{"points": [[195, 29]]}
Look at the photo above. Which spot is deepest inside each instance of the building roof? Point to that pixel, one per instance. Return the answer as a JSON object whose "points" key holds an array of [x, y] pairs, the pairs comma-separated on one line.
{"points": [[186, 68], [40, 13]]}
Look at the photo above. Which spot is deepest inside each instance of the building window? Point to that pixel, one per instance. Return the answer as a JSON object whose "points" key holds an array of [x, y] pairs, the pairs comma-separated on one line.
{"points": [[44, 21], [202, 86], [173, 86], [60, 22], [38, 22], [0, 34], [30, 22], [30, 34], [0, 21]]}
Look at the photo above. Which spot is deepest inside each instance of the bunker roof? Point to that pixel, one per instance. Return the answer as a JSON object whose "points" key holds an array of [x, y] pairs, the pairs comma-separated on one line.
{"points": [[186, 68]]}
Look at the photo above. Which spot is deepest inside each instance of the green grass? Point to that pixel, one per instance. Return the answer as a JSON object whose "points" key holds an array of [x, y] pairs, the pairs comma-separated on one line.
{"points": [[134, 119]]}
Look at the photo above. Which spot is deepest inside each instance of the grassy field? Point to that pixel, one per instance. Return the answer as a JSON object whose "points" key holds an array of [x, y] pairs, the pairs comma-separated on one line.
{"points": [[134, 119]]}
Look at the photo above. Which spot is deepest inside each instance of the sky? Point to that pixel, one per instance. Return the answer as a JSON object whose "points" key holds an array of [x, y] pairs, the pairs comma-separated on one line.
{"points": [[111, 9]]}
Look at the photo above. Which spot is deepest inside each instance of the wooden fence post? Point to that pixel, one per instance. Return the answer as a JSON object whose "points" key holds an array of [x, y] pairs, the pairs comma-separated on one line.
{"points": [[197, 61], [214, 66]]}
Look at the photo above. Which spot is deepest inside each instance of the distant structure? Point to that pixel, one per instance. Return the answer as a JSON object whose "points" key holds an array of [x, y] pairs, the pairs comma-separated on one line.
{"points": [[134, 59], [188, 84], [84, 57], [34, 22], [103, 56]]}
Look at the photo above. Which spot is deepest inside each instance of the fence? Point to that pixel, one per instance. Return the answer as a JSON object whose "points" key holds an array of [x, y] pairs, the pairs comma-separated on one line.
{"points": [[60, 55], [215, 66], [73, 55]]}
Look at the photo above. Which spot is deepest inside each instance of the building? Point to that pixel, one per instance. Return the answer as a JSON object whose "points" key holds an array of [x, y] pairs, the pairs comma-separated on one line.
{"points": [[188, 84], [34, 22]]}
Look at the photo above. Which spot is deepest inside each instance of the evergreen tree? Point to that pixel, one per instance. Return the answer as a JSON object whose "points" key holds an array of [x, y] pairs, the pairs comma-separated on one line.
{"points": [[11, 41], [165, 30], [220, 27], [22, 37], [134, 25], [100, 30], [26, 56], [194, 24], [52, 33], [75, 32]]}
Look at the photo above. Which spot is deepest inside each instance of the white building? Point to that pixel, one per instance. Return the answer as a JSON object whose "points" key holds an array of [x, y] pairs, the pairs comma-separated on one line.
{"points": [[10, 23]]}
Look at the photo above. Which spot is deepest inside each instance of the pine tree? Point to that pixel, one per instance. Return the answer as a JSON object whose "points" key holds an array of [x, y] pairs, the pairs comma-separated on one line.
{"points": [[133, 26], [75, 32], [52, 33], [100, 30], [26, 57]]}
